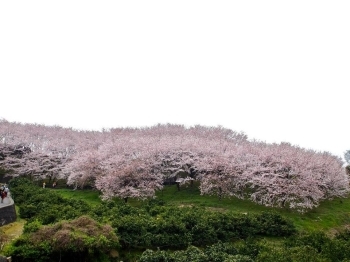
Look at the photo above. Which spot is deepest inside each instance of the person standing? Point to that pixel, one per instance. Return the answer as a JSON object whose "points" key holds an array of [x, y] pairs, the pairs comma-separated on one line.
{"points": [[3, 195]]}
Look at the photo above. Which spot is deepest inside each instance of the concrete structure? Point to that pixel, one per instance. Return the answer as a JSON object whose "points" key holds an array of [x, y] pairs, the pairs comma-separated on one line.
{"points": [[7, 211]]}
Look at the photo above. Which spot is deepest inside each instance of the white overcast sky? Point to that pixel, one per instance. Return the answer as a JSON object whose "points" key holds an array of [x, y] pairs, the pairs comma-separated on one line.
{"points": [[276, 70]]}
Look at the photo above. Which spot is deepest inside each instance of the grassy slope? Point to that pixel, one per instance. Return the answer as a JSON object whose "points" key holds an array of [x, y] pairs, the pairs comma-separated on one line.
{"points": [[329, 215], [90, 196]]}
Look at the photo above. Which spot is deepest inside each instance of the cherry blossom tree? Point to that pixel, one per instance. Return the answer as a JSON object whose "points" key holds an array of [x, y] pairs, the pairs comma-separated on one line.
{"points": [[48, 149], [134, 162], [21, 161], [274, 175], [133, 179], [83, 169]]}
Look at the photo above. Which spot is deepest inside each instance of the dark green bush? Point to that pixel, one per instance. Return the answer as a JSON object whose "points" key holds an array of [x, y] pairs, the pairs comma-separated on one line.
{"points": [[27, 211], [220, 251], [215, 253], [23, 250], [132, 230], [31, 227], [175, 227], [249, 247], [273, 224], [36, 203], [316, 240]]}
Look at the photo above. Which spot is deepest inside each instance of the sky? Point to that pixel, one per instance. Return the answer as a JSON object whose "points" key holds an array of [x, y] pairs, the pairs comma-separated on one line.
{"points": [[275, 70]]}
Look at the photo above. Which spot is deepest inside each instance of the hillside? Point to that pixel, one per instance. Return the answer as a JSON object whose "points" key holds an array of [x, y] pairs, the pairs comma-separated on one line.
{"points": [[177, 224]]}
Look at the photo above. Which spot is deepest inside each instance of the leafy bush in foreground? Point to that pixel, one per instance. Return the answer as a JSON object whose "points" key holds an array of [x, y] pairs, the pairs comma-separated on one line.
{"points": [[81, 238], [175, 227], [216, 253], [313, 247], [44, 205], [154, 224]]}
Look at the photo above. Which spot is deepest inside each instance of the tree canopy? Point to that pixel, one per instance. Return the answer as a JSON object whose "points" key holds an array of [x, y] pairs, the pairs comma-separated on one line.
{"points": [[134, 162]]}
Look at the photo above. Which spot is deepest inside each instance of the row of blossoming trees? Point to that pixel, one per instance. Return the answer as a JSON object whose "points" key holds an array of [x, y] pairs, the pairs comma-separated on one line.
{"points": [[135, 162]]}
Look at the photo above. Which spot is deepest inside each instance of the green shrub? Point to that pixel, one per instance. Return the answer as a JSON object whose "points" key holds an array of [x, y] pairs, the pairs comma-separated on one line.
{"points": [[273, 224], [82, 238], [32, 226], [36, 203], [215, 253]]}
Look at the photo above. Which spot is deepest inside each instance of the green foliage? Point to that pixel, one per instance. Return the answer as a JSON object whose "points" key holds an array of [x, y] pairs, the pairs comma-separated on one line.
{"points": [[316, 240], [295, 254], [90, 196], [194, 232], [215, 253], [330, 214], [249, 247], [178, 227], [273, 224], [3, 239], [220, 251], [22, 250], [31, 227], [343, 235], [43, 205], [27, 211], [20, 181], [79, 238], [132, 231], [151, 256], [318, 245], [152, 224]]}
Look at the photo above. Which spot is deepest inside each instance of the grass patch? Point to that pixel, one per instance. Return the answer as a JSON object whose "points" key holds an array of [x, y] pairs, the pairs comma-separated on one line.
{"points": [[14, 230], [10, 232], [330, 215], [90, 196], [191, 196]]}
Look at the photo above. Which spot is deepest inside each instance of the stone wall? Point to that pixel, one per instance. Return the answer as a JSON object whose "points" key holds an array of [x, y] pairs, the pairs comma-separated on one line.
{"points": [[7, 212]]}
